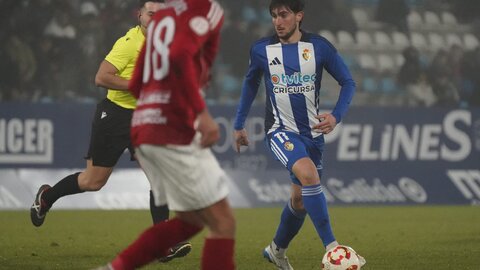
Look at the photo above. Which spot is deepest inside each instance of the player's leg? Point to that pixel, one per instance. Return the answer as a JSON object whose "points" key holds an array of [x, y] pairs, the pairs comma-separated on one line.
{"points": [[159, 213], [178, 174], [158, 203], [286, 147], [218, 251], [314, 199], [158, 207], [109, 138], [196, 182], [291, 220], [155, 243], [93, 178]]}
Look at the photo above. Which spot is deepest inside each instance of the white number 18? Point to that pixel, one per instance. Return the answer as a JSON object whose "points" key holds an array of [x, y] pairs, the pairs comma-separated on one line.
{"points": [[161, 49]]}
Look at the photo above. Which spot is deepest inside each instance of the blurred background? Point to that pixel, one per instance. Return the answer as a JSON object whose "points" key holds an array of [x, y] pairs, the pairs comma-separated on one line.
{"points": [[401, 52]]}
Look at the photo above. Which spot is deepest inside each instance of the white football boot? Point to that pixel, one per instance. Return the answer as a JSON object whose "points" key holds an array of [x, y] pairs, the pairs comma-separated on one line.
{"points": [[280, 261]]}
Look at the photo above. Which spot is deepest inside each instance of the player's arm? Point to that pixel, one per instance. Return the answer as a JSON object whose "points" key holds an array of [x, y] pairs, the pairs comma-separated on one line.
{"points": [[185, 46], [338, 69], [208, 55], [107, 77], [211, 48], [241, 138], [183, 64], [193, 37], [335, 65], [249, 92], [208, 128], [123, 51], [212, 44]]}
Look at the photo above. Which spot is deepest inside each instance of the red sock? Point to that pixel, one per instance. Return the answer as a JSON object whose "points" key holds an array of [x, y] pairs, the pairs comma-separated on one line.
{"points": [[218, 254], [154, 243]]}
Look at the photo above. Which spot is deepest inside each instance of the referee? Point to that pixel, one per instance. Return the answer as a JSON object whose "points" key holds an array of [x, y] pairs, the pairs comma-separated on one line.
{"points": [[110, 134]]}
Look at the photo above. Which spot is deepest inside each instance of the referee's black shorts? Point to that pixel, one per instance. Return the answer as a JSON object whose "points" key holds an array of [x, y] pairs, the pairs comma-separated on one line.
{"points": [[110, 134]]}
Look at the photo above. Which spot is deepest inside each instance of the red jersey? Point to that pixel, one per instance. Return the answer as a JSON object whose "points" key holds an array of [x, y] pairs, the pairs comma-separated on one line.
{"points": [[181, 44]]}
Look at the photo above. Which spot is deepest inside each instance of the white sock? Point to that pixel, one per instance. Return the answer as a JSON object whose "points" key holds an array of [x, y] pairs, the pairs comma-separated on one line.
{"points": [[331, 245], [277, 251]]}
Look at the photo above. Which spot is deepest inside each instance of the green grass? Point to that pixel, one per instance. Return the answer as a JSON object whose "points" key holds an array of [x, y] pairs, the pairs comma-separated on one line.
{"points": [[388, 237]]}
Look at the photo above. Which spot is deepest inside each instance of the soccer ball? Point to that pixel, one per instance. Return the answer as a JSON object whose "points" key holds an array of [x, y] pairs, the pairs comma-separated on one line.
{"points": [[341, 258]]}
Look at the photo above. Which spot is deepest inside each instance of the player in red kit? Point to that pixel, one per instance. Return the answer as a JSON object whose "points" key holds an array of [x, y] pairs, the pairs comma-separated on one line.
{"points": [[172, 132]]}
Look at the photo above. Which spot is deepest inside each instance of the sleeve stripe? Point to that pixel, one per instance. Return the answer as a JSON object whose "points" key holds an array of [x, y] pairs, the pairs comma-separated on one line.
{"points": [[212, 7], [215, 14]]}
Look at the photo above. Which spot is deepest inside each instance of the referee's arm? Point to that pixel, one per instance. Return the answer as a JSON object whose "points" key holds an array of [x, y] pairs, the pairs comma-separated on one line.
{"points": [[107, 77]]}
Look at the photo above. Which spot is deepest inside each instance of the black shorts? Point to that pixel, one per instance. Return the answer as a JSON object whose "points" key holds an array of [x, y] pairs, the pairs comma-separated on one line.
{"points": [[110, 134]]}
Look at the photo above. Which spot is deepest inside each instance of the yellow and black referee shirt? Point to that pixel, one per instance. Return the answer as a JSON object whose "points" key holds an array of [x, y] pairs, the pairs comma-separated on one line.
{"points": [[123, 56]]}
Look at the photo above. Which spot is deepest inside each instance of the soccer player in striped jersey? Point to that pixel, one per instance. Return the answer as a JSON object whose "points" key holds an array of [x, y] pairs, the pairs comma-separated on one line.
{"points": [[291, 63]]}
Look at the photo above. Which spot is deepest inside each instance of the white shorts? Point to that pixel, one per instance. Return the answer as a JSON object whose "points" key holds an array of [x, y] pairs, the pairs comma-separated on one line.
{"points": [[185, 177]]}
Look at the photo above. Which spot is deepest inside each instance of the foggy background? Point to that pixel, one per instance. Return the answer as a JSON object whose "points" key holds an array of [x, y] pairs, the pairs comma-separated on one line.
{"points": [[400, 52]]}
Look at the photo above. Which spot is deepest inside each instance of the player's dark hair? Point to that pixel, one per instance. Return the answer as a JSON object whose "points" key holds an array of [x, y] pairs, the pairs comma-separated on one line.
{"points": [[294, 5], [141, 3]]}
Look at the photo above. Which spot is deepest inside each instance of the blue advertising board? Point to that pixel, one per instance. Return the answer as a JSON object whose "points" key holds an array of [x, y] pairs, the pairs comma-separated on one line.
{"points": [[375, 156]]}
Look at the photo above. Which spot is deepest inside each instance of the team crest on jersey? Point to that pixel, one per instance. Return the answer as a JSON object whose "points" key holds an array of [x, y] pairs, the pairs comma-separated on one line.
{"points": [[199, 25], [288, 146], [306, 54]]}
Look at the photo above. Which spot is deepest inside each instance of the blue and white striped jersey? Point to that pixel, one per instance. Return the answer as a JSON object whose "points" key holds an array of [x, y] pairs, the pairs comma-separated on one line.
{"points": [[293, 74]]}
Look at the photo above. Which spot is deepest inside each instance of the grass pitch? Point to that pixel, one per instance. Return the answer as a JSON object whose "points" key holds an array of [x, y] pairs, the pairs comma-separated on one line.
{"points": [[388, 237]]}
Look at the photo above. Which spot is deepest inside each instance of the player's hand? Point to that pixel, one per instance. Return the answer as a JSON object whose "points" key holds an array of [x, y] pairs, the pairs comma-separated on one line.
{"points": [[327, 123], [208, 128], [241, 138]]}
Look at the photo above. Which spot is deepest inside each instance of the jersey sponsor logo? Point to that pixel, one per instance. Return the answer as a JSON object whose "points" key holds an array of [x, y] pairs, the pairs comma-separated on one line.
{"points": [[306, 54], [296, 78], [26, 141], [154, 98], [104, 114], [293, 89], [148, 117], [282, 84]]}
